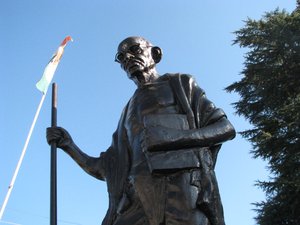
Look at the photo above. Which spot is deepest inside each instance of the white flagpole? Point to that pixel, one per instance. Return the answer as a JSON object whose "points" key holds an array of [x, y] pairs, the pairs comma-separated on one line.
{"points": [[10, 187]]}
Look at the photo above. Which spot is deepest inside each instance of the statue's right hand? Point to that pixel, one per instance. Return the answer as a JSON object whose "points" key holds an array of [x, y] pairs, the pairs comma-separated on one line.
{"points": [[60, 136]]}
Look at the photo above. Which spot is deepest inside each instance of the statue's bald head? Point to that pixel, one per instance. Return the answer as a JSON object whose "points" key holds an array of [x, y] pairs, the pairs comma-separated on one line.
{"points": [[134, 40], [138, 57], [130, 43]]}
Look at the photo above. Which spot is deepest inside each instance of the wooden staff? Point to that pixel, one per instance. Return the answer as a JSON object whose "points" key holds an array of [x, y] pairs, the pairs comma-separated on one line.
{"points": [[53, 171]]}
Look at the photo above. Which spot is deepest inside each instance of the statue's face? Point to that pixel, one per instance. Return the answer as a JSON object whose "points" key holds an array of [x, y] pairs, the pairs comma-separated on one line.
{"points": [[134, 55]]}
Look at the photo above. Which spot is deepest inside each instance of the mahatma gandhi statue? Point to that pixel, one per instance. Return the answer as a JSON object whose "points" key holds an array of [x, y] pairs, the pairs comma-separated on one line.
{"points": [[159, 168]]}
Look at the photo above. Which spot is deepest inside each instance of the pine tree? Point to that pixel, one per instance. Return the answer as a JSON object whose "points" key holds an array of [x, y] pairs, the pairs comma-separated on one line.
{"points": [[270, 100]]}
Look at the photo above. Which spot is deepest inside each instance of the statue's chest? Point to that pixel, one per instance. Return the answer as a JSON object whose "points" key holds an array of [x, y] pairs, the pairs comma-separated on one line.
{"points": [[153, 98], [156, 98]]}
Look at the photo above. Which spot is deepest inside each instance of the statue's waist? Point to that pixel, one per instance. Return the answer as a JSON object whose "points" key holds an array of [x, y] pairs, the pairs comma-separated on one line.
{"points": [[181, 159], [166, 161]]}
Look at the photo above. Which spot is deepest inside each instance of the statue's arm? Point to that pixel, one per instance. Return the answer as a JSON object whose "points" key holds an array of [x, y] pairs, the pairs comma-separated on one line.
{"points": [[91, 165], [213, 127], [213, 134], [162, 138]]}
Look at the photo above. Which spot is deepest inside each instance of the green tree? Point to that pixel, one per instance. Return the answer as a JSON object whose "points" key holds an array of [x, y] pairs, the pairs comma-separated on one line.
{"points": [[270, 101]]}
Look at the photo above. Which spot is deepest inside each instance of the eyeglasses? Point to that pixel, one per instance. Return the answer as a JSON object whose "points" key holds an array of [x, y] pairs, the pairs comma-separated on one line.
{"points": [[134, 49]]}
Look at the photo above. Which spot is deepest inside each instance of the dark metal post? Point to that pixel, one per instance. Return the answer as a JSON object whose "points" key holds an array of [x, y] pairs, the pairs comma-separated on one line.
{"points": [[53, 175]]}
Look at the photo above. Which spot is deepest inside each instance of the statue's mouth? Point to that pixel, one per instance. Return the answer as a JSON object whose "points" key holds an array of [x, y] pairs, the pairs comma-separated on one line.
{"points": [[133, 66], [133, 63]]}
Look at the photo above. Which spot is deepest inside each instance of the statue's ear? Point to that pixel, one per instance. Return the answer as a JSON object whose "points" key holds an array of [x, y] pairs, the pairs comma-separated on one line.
{"points": [[156, 54]]}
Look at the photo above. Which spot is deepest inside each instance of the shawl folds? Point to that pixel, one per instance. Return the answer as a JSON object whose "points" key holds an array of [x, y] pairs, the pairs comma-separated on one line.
{"points": [[200, 113]]}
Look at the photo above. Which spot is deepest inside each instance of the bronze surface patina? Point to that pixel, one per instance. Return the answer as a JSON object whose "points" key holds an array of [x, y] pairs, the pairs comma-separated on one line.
{"points": [[159, 168]]}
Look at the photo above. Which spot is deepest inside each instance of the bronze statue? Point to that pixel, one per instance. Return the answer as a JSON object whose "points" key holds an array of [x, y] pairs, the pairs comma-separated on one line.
{"points": [[159, 168]]}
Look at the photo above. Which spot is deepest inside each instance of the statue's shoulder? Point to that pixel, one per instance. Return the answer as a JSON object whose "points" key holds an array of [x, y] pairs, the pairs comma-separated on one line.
{"points": [[186, 81], [178, 76]]}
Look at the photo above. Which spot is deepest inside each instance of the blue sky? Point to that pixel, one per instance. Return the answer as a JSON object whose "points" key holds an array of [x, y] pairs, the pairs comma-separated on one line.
{"points": [[196, 37]]}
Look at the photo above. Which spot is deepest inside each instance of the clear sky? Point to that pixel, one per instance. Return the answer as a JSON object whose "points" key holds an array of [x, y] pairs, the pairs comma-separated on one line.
{"points": [[196, 37]]}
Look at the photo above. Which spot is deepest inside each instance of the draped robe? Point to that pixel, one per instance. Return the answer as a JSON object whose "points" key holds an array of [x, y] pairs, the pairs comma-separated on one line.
{"points": [[115, 164]]}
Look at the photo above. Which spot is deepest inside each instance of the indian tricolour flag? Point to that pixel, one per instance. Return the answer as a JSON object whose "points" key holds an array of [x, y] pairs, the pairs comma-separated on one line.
{"points": [[42, 85], [49, 71]]}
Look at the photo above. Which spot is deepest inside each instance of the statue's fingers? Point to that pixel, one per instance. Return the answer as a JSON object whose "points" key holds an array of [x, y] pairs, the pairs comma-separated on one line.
{"points": [[53, 135]]}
